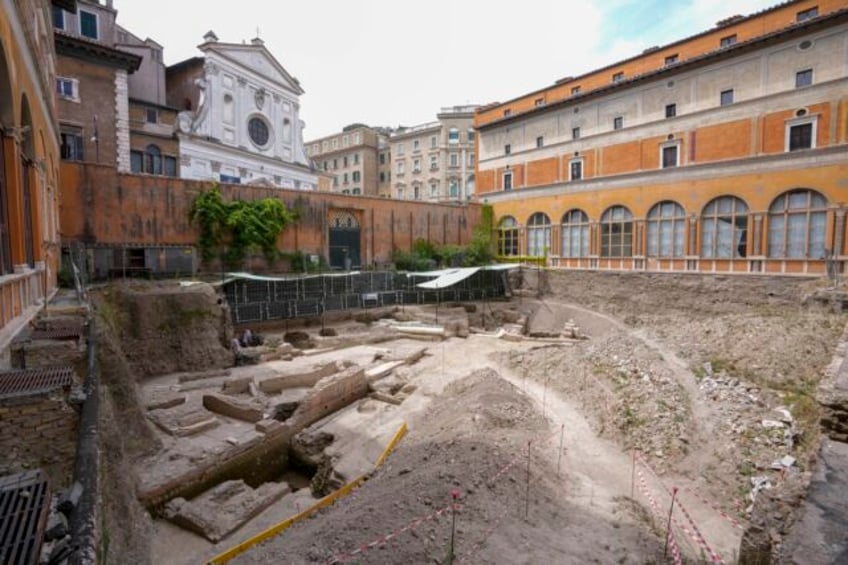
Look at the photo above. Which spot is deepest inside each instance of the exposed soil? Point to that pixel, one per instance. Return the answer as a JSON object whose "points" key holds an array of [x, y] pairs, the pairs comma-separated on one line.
{"points": [[708, 378]]}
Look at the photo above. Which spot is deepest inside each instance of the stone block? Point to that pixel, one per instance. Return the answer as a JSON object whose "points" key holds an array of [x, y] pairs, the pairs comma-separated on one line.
{"points": [[232, 407], [268, 426], [223, 509], [240, 385]]}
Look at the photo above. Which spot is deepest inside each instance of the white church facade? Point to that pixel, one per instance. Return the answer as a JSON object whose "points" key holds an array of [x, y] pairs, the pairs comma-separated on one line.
{"points": [[239, 120]]}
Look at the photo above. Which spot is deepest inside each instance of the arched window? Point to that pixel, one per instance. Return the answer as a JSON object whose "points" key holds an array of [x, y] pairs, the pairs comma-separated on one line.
{"points": [[666, 229], [575, 234], [724, 229], [797, 225], [508, 236], [617, 232], [538, 235], [152, 160]]}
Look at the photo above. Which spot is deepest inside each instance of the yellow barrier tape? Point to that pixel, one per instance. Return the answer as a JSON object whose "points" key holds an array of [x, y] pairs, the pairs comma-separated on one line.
{"points": [[326, 501]]}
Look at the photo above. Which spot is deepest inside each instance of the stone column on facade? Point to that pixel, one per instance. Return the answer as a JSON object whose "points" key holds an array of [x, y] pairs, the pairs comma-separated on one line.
{"points": [[122, 121], [839, 232], [14, 202], [693, 235], [756, 247]]}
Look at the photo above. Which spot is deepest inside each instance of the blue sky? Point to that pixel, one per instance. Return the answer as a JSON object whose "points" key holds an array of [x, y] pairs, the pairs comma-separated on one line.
{"points": [[390, 62]]}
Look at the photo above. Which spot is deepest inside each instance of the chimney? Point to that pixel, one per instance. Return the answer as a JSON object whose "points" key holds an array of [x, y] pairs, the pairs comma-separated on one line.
{"points": [[257, 41], [210, 37]]}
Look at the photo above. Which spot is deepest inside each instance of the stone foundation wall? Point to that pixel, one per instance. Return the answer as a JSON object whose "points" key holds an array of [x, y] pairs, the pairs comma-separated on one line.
{"points": [[39, 431]]}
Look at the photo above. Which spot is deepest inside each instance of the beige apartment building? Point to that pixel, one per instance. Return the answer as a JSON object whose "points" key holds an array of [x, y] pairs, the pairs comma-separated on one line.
{"points": [[435, 161], [352, 159]]}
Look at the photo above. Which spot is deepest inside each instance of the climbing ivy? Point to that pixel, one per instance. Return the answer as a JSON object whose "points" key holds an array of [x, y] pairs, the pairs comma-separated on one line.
{"points": [[232, 229]]}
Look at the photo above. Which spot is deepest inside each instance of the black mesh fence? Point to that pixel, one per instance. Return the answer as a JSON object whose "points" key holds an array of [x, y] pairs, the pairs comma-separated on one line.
{"points": [[259, 300]]}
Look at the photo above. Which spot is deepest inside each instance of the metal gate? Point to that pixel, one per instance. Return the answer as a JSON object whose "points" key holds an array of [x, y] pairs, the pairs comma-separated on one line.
{"points": [[345, 237]]}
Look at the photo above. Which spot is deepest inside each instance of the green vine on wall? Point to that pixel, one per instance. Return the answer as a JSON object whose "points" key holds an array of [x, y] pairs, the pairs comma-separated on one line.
{"points": [[229, 230]]}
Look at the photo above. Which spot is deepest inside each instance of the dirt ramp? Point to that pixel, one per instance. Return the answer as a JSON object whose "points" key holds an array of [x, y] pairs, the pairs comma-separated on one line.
{"points": [[168, 327]]}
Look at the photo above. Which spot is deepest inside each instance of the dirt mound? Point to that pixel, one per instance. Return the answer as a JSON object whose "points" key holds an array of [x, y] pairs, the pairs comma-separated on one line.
{"points": [[473, 442], [167, 327]]}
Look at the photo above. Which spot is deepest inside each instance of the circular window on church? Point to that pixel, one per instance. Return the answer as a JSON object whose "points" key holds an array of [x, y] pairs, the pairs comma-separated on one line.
{"points": [[257, 128]]}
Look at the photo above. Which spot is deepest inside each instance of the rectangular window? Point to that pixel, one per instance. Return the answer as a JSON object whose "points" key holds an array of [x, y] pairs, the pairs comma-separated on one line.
{"points": [[575, 170], [471, 160], [434, 162], [539, 102], [58, 18], [453, 136], [356, 158], [344, 161], [399, 149], [507, 181], [400, 166], [575, 133], [804, 78], [669, 156], [454, 159], [72, 145], [618, 123], [344, 178], [471, 136], [575, 90], [356, 176], [726, 97], [382, 158], [507, 113], [618, 77], [433, 142], [805, 15], [670, 110], [67, 88], [88, 24], [453, 188], [801, 136], [540, 141], [335, 164], [671, 59], [170, 166], [727, 41], [434, 190], [152, 116], [415, 145], [135, 161], [382, 176], [507, 149], [416, 165]]}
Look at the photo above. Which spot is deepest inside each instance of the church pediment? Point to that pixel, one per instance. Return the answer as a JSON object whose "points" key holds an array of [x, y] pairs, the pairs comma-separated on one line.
{"points": [[258, 59]]}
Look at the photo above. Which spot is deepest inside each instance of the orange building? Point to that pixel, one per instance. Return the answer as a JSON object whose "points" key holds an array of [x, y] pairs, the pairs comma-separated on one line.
{"points": [[29, 162], [723, 152]]}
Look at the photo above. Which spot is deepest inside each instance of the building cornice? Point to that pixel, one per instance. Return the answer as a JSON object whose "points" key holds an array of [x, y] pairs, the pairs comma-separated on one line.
{"points": [[95, 52], [217, 146], [743, 47], [798, 160]]}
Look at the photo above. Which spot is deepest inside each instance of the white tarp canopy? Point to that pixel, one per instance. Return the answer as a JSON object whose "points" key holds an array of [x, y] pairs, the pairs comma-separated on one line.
{"points": [[449, 277]]}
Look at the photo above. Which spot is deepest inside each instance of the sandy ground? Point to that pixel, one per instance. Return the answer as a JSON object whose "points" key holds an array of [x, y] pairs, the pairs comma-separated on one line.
{"points": [[681, 370]]}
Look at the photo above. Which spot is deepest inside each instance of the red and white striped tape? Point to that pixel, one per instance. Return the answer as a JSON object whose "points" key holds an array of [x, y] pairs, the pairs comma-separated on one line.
{"points": [[342, 557], [694, 533], [672, 543], [719, 511], [699, 538]]}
